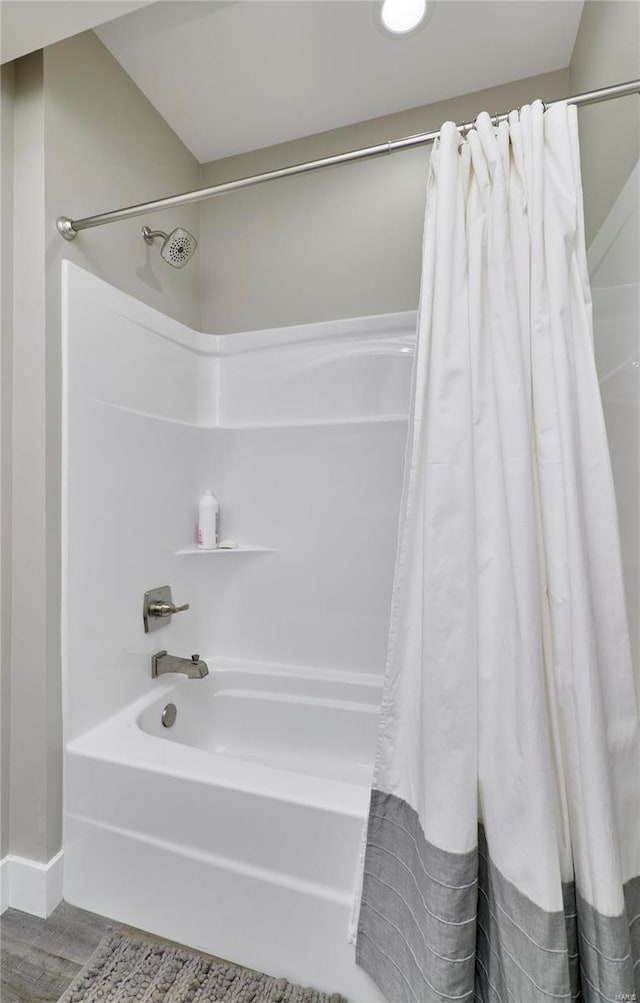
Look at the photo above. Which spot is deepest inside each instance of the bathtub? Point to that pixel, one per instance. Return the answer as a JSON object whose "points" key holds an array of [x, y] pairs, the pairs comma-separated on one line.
{"points": [[237, 830]]}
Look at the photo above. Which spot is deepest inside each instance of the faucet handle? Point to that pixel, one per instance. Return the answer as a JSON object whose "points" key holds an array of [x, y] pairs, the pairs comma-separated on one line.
{"points": [[165, 608], [195, 659], [158, 606]]}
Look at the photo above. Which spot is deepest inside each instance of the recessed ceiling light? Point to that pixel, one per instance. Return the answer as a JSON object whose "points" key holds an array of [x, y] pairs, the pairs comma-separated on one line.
{"points": [[402, 16]]}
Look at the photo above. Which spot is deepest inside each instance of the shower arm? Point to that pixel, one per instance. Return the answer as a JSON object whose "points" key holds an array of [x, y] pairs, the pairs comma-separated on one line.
{"points": [[69, 228], [149, 235]]}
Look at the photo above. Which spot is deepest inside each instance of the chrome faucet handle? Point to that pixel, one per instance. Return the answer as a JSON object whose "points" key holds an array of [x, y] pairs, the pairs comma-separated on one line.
{"points": [[195, 659]]}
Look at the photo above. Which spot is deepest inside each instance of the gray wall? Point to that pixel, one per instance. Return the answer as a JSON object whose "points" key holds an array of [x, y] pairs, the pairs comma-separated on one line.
{"points": [[86, 140], [106, 146], [607, 51], [30, 682], [6, 336], [347, 241], [342, 242]]}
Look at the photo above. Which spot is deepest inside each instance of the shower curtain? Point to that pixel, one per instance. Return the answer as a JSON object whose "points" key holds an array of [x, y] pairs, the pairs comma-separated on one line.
{"points": [[502, 856]]}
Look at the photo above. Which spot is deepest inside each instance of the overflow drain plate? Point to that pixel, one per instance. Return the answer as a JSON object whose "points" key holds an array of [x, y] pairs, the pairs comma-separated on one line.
{"points": [[169, 715]]}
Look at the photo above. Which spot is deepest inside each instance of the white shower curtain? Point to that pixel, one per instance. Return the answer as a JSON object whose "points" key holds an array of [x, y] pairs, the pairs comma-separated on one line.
{"points": [[503, 847]]}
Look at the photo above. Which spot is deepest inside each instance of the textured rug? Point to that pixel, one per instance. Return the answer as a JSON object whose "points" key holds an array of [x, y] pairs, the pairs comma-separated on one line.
{"points": [[126, 969]]}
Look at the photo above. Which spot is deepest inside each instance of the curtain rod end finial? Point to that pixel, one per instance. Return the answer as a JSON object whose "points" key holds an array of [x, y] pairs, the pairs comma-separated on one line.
{"points": [[65, 228]]}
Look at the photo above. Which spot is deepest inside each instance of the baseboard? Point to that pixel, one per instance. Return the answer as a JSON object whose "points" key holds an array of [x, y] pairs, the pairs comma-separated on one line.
{"points": [[30, 886]]}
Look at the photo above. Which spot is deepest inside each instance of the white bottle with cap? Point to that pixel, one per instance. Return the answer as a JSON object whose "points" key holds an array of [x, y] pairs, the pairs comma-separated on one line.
{"points": [[208, 521]]}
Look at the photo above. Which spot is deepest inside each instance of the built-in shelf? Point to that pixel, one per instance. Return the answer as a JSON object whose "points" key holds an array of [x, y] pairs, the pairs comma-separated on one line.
{"points": [[243, 548], [382, 419]]}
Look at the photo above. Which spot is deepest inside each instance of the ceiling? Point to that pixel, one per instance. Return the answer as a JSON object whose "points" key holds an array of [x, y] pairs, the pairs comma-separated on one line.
{"points": [[27, 25], [233, 77]]}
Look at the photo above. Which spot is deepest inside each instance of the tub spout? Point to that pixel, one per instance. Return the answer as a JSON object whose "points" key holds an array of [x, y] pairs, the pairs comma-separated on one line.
{"points": [[193, 668]]}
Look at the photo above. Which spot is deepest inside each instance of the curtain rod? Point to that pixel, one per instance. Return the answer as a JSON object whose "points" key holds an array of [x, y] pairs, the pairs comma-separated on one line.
{"points": [[69, 228]]}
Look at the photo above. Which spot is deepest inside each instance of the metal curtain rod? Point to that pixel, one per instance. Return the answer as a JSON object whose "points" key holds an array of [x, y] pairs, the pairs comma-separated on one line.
{"points": [[69, 228]]}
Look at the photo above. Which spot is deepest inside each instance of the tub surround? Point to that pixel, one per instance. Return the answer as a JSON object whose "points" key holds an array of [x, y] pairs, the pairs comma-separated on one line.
{"points": [[614, 267], [299, 432], [252, 805]]}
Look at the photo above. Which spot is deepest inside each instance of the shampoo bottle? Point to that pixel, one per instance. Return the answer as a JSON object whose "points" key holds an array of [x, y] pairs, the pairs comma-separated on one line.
{"points": [[208, 521]]}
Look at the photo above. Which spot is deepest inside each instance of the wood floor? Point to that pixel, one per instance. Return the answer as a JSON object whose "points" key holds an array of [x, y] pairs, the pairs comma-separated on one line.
{"points": [[40, 958]]}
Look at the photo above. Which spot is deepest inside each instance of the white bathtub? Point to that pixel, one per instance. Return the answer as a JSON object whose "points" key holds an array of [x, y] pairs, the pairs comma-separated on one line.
{"points": [[237, 830]]}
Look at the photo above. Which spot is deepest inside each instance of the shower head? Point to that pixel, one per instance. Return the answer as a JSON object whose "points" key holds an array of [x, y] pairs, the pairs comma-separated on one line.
{"points": [[178, 246]]}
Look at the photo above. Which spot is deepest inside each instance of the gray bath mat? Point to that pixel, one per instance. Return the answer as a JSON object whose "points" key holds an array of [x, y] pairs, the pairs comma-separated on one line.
{"points": [[125, 969]]}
